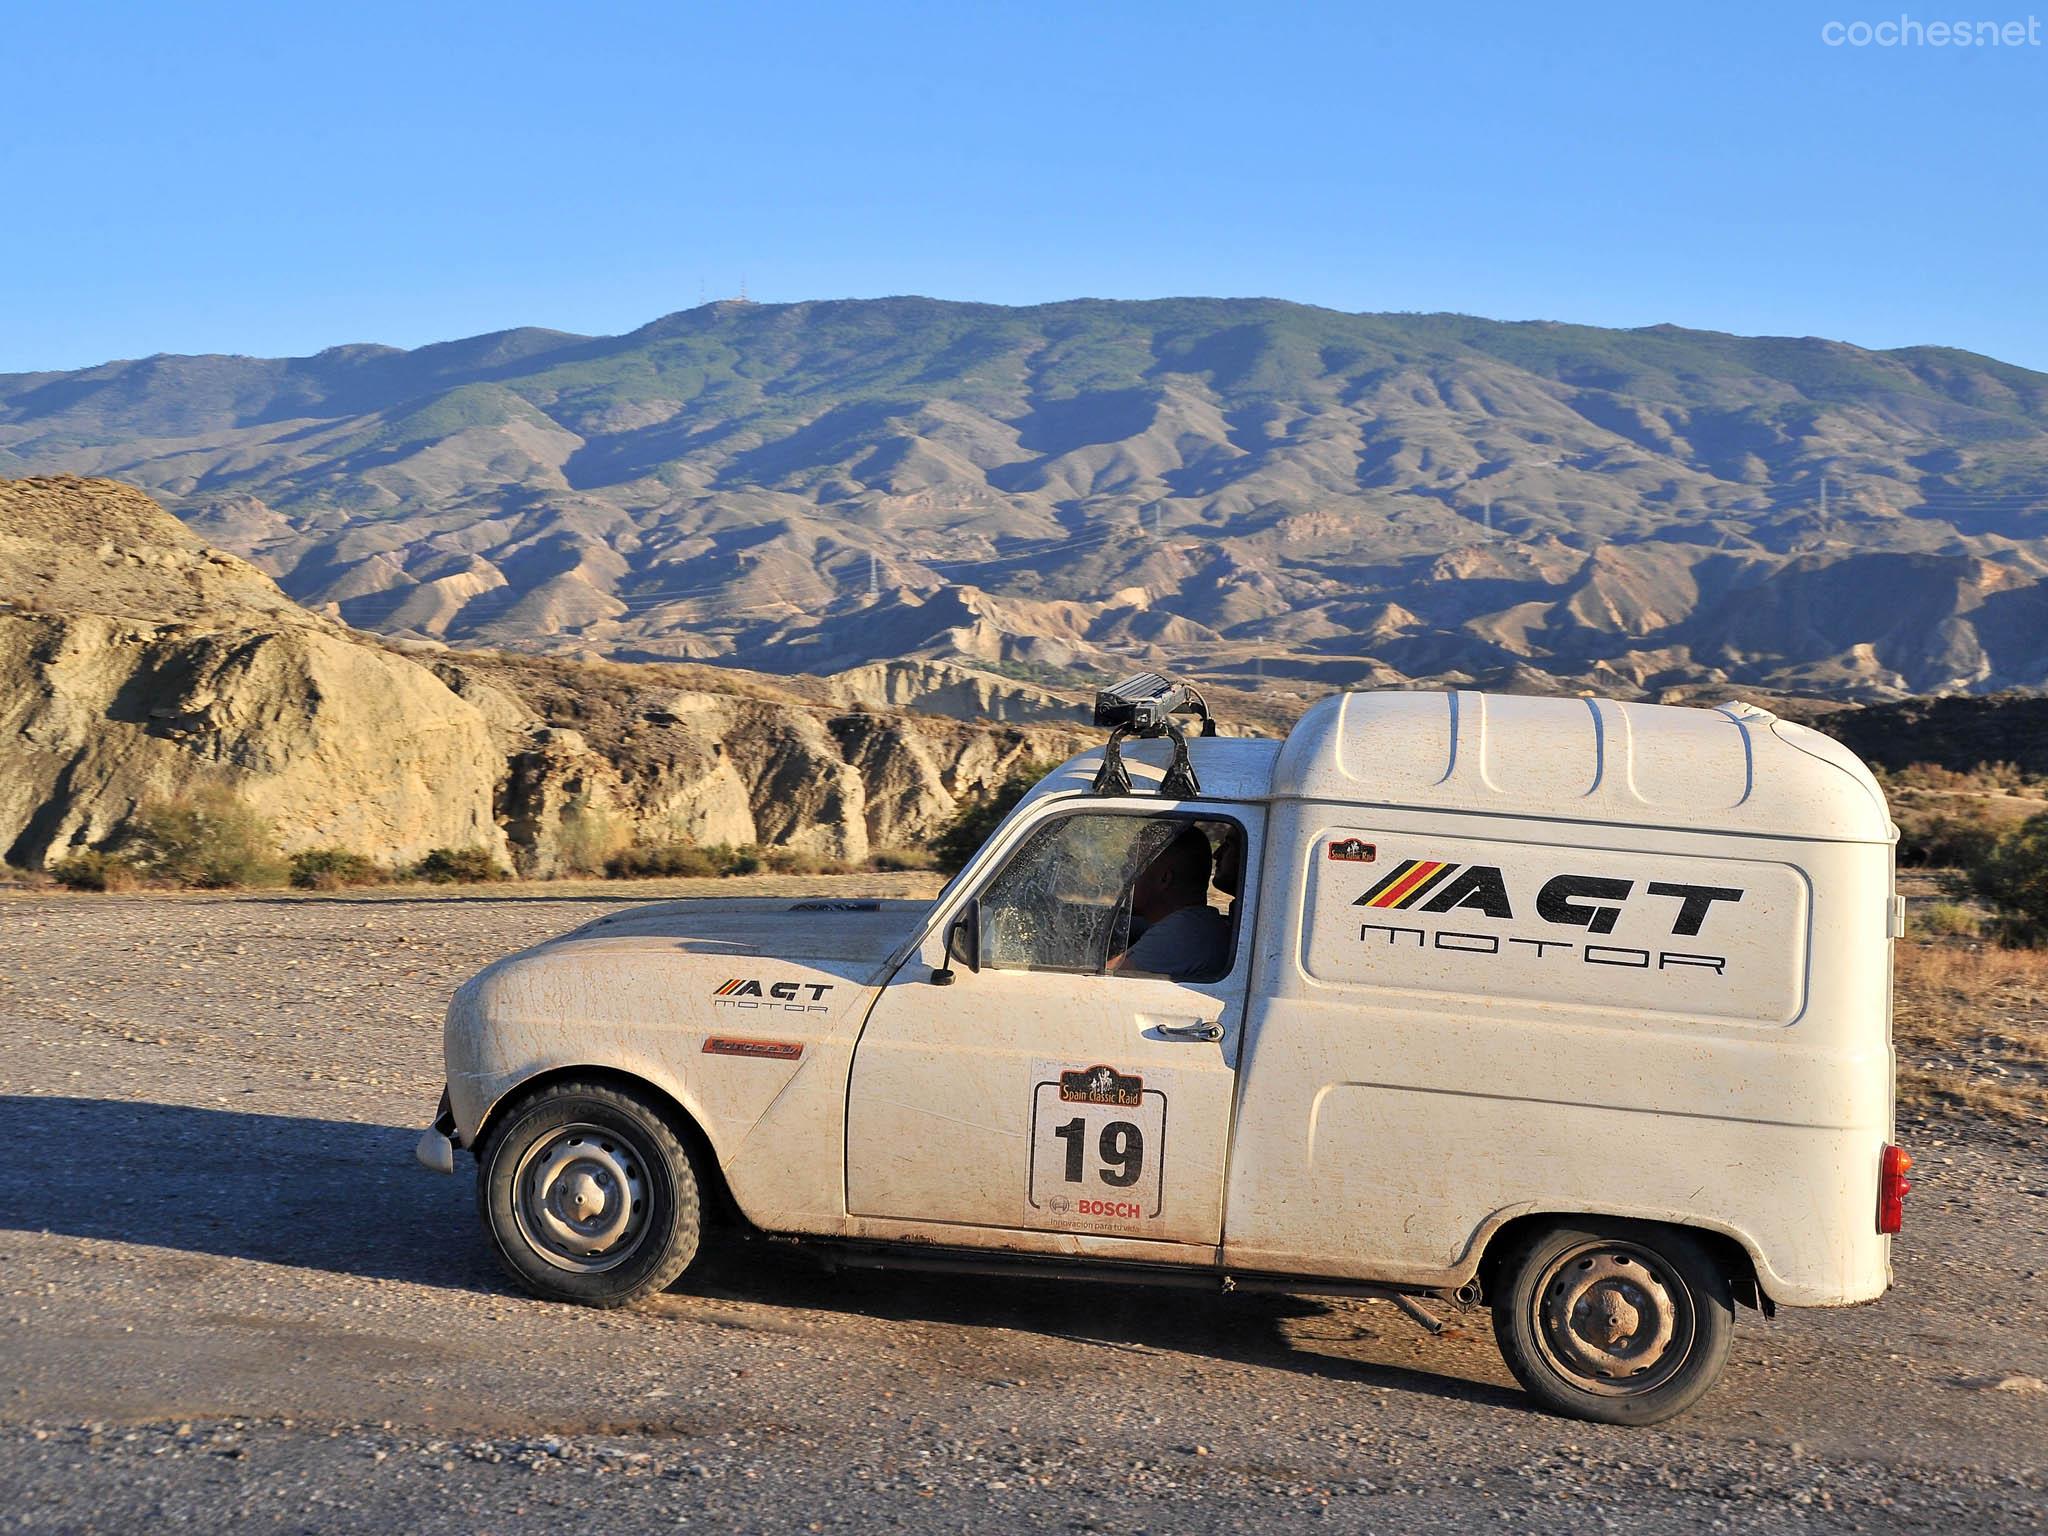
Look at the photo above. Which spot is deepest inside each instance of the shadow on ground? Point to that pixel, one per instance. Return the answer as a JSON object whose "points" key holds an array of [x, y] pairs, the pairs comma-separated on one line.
{"points": [[277, 1189], [348, 1198]]}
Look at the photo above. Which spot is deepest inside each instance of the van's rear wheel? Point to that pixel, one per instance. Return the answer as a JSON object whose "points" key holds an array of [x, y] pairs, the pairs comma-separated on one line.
{"points": [[1619, 1322], [588, 1195]]}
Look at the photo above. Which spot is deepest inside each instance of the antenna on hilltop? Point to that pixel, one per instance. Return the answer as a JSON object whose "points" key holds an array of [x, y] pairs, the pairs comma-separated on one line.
{"points": [[743, 289]]}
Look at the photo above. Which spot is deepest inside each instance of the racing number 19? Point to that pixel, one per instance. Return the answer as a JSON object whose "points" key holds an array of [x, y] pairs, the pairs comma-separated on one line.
{"points": [[1121, 1147]]}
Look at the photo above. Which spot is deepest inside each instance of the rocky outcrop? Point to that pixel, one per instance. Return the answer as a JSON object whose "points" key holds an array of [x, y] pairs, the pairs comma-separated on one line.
{"points": [[941, 688], [333, 741], [69, 545], [136, 664], [602, 755]]}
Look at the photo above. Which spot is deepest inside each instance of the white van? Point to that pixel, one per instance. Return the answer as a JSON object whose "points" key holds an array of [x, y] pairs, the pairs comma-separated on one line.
{"points": [[1579, 1008]]}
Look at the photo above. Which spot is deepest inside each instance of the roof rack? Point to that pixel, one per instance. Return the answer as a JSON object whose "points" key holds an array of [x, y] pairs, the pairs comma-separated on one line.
{"points": [[1143, 706]]}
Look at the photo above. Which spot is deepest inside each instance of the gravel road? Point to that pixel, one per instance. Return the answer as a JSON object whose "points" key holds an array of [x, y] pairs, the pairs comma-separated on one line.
{"points": [[230, 1301]]}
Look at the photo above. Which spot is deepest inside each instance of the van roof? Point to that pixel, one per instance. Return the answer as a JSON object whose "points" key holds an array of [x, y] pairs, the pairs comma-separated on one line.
{"points": [[1736, 768]]}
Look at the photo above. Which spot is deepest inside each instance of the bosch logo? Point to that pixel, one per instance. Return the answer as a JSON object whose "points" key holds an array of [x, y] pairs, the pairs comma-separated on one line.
{"points": [[1126, 1210]]}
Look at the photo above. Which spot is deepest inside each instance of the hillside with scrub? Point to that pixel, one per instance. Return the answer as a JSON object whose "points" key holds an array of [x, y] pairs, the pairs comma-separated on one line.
{"points": [[1290, 497]]}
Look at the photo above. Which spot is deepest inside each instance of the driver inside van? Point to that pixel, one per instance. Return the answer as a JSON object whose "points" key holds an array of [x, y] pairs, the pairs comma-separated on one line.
{"points": [[1183, 937]]}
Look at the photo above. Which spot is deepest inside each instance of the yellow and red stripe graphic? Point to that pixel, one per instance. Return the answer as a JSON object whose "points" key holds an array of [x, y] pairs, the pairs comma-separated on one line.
{"points": [[736, 981], [1406, 883]]}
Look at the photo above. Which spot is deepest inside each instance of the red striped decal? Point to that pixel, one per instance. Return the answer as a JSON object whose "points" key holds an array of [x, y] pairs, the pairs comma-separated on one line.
{"points": [[1408, 882]]}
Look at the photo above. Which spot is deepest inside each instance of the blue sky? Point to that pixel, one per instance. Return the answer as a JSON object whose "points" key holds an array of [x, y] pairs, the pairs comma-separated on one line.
{"points": [[273, 179]]}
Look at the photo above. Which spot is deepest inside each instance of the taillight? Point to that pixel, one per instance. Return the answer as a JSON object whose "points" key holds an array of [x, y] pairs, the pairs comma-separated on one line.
{"points": [[1892, 1187]]}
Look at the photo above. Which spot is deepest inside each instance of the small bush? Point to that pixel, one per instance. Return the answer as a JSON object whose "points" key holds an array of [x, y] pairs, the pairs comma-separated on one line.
{"points": [[1945, 839], [208, 838], [902, 860], [459, 866], [791, 861], [90, 870], [2013, 876], [660, 860], [332, 869], [2008, 778], [1947, 920], [588, 838]]}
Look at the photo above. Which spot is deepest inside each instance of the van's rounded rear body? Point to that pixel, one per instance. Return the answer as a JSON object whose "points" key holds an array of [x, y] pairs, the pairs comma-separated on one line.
{"points": [[1568, 956]]}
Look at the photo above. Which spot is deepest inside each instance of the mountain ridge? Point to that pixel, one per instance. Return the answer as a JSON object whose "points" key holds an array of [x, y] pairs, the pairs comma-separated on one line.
{"points": [[1243, 489]]}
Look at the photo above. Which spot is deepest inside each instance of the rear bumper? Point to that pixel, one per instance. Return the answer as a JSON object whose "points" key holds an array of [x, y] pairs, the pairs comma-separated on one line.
{"points": [[436, 1148]]}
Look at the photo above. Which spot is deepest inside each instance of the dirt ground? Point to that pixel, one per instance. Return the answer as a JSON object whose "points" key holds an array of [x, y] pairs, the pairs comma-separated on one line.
{"points": [[230, 1301]]}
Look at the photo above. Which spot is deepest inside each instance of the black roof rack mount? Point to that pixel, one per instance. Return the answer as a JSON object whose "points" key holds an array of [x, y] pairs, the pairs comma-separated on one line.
{"points": [[1144, 706]]}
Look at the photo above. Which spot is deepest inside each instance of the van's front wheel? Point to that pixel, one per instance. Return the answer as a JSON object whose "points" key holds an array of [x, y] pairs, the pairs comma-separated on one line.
{"points": [[1619, 1322], [588, 1195]]}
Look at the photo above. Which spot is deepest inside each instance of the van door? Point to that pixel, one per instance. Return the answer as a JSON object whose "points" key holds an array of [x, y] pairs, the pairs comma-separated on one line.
{"points": [[1080, 1081]]}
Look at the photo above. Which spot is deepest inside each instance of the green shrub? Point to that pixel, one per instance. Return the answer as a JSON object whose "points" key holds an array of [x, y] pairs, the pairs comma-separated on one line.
{"points": [[2013, 877], [792, 861], [1945, 839], [208, 838], [966, 833], [331, 869], [656, 860], [459, 866], [91, 870], [1984, 778], [662, 859], [895, 860], [588, 838], [1948, 920]]}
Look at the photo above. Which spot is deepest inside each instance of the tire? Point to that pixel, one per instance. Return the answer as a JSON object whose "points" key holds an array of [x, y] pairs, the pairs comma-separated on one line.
{"points": [[1619, 1322], [588, 1195]]}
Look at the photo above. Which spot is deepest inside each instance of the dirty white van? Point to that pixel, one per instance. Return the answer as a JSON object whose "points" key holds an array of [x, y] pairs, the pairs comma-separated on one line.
{"points": [[1574, 1008]]}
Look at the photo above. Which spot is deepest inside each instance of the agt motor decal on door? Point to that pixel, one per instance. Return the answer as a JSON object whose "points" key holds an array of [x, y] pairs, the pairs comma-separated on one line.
{"points": [[1098, 1148], [1718, 937]]}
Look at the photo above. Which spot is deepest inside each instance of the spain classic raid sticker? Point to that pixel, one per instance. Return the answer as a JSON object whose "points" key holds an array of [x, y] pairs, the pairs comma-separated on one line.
{"points": [[1098, 1148]]}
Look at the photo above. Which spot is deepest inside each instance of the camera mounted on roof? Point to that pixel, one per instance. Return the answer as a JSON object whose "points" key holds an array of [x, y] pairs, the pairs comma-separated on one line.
{"points": [[1144, 706]]}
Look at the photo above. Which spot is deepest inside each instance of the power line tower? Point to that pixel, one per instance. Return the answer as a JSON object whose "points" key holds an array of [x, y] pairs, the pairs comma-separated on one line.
{"points": [[874, 577]]}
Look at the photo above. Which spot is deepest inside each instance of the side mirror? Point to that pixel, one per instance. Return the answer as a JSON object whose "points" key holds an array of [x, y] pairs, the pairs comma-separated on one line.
{"points": [[963, 944]]}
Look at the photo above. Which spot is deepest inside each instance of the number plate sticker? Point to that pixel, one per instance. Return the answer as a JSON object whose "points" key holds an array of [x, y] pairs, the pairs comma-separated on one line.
{"points": [[1098, 1148]]}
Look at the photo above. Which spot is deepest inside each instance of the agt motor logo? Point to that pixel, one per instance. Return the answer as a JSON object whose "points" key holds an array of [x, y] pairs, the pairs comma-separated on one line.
{"points": [[1592, 903], [776, 996]]}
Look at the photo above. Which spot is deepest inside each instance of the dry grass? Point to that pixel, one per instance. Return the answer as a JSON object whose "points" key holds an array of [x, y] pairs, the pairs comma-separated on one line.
{"points": [[1971, 1026]]}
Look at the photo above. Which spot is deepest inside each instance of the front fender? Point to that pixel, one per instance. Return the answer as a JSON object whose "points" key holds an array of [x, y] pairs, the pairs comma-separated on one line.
{"points": [[725, 1038]]}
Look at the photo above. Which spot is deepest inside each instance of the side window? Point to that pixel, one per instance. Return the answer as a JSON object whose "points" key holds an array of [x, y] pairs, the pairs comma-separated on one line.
{"points": [[1127, 894]]}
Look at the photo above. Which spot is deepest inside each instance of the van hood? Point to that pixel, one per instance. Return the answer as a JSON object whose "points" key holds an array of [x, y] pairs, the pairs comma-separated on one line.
{"points": [[645, 988], [849, 933]]}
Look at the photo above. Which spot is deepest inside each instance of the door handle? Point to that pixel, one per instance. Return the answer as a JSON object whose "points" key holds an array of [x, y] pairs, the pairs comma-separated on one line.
{"points": [[1193, 1029]]}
